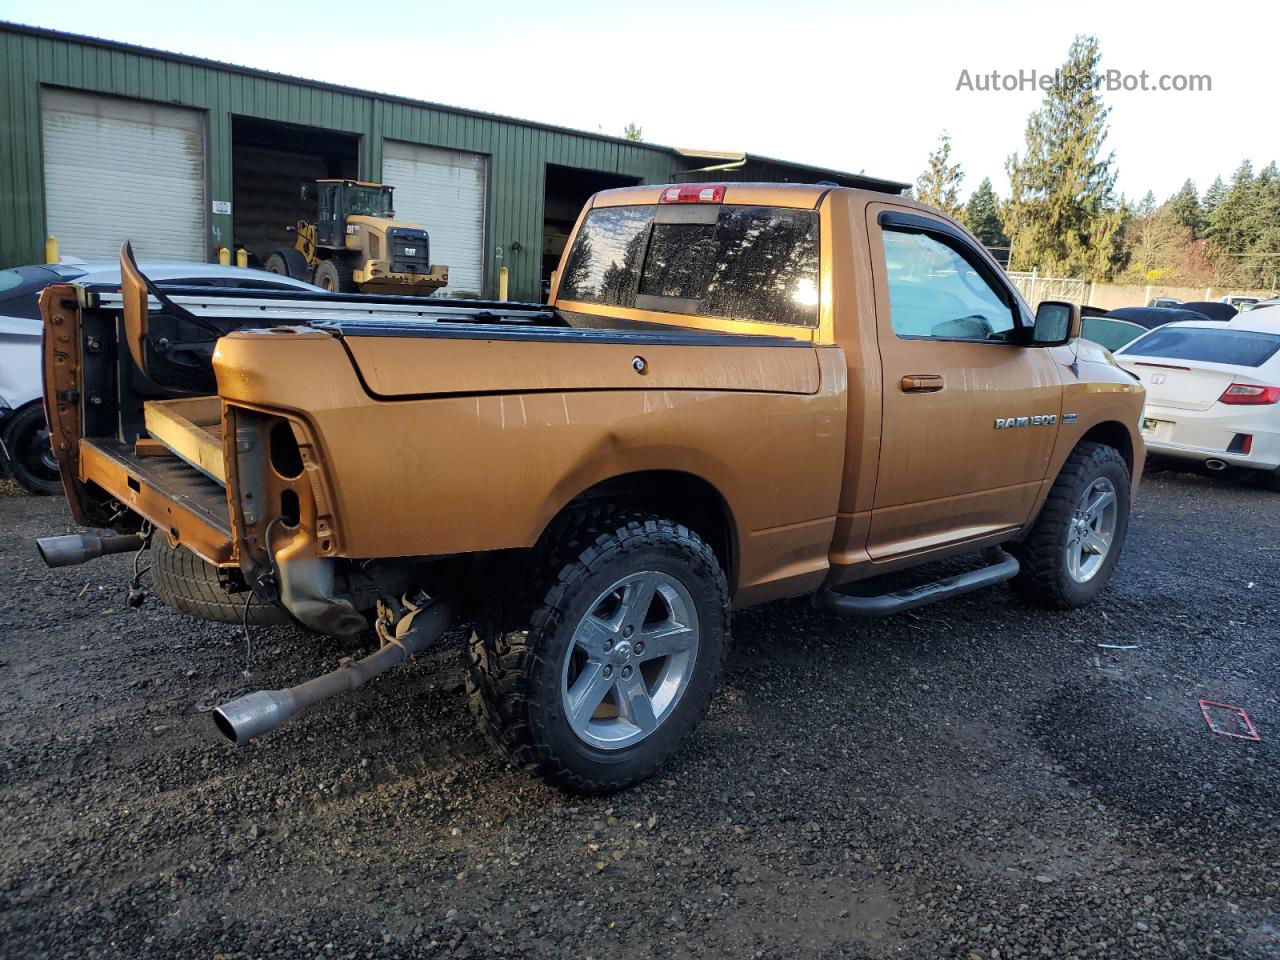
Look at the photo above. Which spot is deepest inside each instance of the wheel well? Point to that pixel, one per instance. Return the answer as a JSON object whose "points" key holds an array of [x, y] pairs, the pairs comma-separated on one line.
{"points": [[1113, 434], [682, 497]]}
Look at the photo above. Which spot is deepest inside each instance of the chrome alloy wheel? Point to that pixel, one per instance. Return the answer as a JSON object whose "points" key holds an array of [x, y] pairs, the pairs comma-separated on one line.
{"points": [[630, 660], [1092, 530]]}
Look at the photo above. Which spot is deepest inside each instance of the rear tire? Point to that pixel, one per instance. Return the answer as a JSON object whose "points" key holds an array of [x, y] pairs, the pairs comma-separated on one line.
{"points": [[184, 582], [335, 276], [587, 632], [1061, 566], [31, 460], [1271, 480], [288, 263]]}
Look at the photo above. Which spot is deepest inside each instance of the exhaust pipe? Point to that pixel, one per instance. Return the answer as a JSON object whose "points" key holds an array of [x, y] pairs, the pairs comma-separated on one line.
{"points": [[264, 710], [80, 547], [1215, 464]]}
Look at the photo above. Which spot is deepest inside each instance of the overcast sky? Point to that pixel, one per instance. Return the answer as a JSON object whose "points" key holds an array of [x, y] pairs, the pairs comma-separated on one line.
{"points": [[854, 85]]}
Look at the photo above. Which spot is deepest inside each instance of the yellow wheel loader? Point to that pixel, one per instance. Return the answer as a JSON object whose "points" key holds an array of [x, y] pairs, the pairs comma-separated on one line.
{"points": [[356, 244]]}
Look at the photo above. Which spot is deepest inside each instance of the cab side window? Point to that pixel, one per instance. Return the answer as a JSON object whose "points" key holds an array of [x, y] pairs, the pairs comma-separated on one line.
{"points": [[935, 293]]}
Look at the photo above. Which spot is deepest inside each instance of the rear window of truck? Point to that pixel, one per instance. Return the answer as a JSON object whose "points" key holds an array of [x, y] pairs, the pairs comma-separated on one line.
{"points": [[1241, 348], [735, 262]]}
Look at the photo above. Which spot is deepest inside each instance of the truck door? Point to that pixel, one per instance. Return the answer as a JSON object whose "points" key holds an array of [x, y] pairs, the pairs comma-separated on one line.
{"points": [[970, 413]]}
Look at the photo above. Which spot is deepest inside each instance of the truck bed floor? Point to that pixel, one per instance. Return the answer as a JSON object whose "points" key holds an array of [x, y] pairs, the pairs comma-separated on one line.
{"points": [[174, 478]]}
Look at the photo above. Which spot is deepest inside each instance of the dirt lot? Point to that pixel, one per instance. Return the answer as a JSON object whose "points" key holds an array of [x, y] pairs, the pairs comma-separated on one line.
{"points": [[978, 779]]}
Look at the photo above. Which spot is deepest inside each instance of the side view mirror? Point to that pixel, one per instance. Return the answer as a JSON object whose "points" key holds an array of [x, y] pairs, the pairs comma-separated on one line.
{"points": [[1057, 322], [306, 191]]}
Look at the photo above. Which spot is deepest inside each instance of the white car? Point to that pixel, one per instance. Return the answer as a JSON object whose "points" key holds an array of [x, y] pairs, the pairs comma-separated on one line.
{"points": [[1266, 312], [1241, 303], [1213, 392], [24, 437]]}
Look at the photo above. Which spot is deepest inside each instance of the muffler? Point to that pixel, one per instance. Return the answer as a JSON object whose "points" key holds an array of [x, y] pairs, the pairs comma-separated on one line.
{"points": [[1215, 464], [80, 547], [263, 710]]}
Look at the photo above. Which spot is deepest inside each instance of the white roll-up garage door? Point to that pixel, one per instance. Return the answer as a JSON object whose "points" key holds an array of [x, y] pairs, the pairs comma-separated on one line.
{"points": [[443, 191], [117, 170]]}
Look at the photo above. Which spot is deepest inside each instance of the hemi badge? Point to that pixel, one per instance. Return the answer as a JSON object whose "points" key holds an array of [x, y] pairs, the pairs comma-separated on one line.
{"points": [[1070, 417]]}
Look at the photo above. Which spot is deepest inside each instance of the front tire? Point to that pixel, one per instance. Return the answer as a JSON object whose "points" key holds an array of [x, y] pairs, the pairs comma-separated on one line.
{"points": [[1074, 545], [614, 666], [335, 276]]}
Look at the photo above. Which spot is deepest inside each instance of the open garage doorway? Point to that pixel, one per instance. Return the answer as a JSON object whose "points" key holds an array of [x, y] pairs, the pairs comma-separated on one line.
{"points": [[269, 162], [567, 189]]}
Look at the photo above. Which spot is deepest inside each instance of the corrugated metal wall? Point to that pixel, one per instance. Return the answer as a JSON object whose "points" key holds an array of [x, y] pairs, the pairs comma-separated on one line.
{"points": [[519, 152]]}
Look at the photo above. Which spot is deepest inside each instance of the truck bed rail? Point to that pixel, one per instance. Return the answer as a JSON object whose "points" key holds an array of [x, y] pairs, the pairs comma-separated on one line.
{"points": [[283, 306]]}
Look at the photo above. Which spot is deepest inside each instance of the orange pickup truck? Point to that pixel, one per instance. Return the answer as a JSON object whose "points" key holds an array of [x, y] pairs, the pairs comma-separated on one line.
{"points": [[736, 393]]}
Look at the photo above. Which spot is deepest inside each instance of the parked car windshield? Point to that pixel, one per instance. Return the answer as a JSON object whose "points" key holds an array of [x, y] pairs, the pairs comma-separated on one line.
{"points": [[737, 262], [1241, 348], [1110, 333]]}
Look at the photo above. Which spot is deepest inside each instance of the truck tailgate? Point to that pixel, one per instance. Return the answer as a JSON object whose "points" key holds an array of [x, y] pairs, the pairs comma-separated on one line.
{"points": [[400, 361]]}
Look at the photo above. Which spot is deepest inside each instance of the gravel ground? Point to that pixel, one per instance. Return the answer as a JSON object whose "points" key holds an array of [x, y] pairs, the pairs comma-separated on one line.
{"points": [[974, 780]]}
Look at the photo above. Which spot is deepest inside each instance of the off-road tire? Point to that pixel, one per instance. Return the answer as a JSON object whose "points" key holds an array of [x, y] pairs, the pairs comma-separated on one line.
{"points": [[513, 676], [26, 438], [184, 582], [336, 276], [1044, 579]]}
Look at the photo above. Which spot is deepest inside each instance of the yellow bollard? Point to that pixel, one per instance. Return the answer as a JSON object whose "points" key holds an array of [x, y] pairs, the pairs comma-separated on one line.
{"points": [[224, 256], [242, 257], [50, 249], [502, 283]]}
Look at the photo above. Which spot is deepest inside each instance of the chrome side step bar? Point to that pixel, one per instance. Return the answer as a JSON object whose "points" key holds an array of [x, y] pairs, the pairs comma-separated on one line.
{"points": [[1000, 567]]}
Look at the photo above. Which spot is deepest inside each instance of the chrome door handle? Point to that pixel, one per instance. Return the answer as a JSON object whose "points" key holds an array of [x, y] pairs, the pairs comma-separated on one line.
{"points": [[922, 383]]}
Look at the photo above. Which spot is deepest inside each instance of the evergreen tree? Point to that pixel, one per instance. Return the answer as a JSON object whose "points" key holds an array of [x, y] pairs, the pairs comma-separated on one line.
{"points": [[939, 185], [982, 215], [1261, 265], [1228, 225], [1062, 213], [1213, 196], [1185, 205]]}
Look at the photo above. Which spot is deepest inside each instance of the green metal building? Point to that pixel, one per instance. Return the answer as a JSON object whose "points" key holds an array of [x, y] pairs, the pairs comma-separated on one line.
{"points": [[102, 142]]}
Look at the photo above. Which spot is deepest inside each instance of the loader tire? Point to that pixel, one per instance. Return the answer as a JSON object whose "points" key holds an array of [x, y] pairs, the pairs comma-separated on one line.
{"points": [[184, 582], [335, 276], [288, 263]]}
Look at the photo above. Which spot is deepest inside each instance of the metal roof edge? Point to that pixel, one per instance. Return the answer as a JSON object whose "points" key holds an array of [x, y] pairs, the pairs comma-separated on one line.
{"points": [[222, 65], [679, 152]]}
